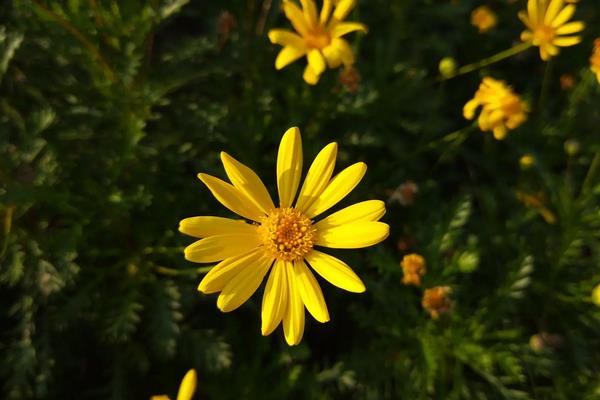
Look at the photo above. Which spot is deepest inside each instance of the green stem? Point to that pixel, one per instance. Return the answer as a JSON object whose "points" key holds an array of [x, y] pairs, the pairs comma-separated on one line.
{"points": [[178, 272], [489, 60], [545, 84], [592, 173]]}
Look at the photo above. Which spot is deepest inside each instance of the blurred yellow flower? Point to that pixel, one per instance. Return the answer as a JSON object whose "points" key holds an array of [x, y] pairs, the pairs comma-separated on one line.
{"points": [[595, 59], [186, 388], [413, 267], [527, 161], [318, 37], [282, 239], [483, 18], [436, 301], [502, 109], [547, 23], [596, 295]]}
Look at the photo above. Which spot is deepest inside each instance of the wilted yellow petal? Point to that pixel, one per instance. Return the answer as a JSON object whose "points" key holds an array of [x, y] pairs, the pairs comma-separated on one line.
{"points": [[335, 271]]}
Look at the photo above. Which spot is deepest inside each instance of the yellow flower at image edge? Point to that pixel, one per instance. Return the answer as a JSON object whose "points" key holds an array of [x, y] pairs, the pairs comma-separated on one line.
{"points": [[548, 26], [502, 109], [186, 388], [595, 59], [282, 239], [318, 36]]}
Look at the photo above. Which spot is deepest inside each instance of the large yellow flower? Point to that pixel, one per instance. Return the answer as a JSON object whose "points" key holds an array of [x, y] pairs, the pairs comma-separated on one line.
{"points": [[319, 36], [282, 239], [502, 109], [547, 23], [186, 388]]}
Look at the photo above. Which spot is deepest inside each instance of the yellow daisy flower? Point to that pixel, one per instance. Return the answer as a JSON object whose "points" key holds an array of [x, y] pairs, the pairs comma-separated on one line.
{"points": [[547, 23], [318, 37], [483, 18], [502, 109], [595, 59], [282, 239], [186, 388]]}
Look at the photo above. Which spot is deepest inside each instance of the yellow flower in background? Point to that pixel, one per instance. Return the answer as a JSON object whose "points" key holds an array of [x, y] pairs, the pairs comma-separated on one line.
{"points": [[413, 267], [436, 301], [548, 24], [186, 388], [527, 161], [282, 239], [318, 37], [596, 295], [502, 109], [483, 18], [595, 59]]}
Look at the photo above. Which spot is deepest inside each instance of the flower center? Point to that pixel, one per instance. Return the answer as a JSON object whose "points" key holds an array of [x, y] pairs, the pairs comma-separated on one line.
{"points": [[287, 234], [544, 34], [317, 38]]}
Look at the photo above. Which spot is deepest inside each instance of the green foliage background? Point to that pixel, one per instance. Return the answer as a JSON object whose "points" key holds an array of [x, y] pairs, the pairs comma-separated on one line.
{"points": [[108, 109]]}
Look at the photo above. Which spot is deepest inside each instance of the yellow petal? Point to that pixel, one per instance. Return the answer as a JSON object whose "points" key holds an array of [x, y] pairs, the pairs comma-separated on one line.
{"points": [[343, 50], [332, 56], [188, 386], [353, 236], [217, 248], [316, 61], [469, 108], [335, 271], [201, 227], [571, 27], [552, 11], [160, 397], [289, 166], [526, 36], [296, 17], [286, 38], [310, 291], [247, 182], [243, 284], [231, 197], [275, 298], [309, 8], [223, 272], [288, 55], [293, 319], [532, 10], [370, 210], [343, 8], [525, 19], [309, 76], [318, 176], [344, 28], [563, 16], [566, 41], [325, 12], [337, 189]]}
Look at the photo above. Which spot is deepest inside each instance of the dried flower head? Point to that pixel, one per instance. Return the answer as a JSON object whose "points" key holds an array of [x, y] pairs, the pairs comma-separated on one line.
{"points": [[436, 301], [413, 267]]}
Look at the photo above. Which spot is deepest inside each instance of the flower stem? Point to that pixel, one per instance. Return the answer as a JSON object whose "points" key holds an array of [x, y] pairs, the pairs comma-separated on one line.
{"points": [[591, 175], [7, 227], [489, 60]]}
